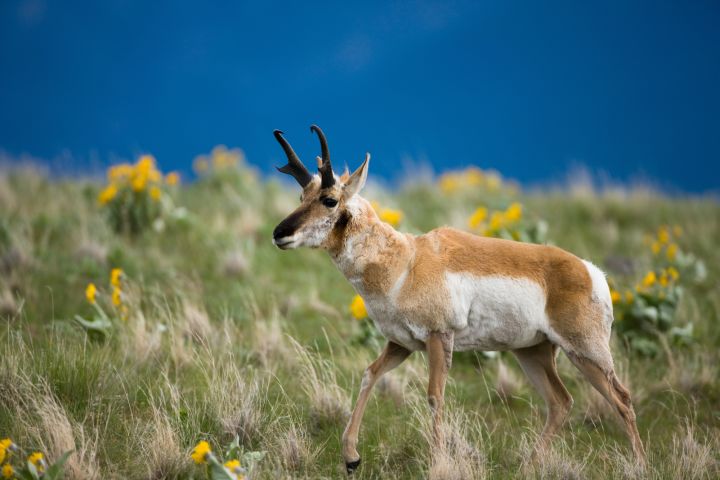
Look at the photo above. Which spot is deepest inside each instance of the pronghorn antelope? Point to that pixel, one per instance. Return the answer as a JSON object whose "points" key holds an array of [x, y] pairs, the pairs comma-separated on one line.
{"points": [[449, 290]]}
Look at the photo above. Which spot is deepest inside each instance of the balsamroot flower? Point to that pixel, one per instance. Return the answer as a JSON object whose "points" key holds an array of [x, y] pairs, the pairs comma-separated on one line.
{"points": [[107, 194], [172, 178], [37, 459], [477, 218], [649, 280], [357, 308], [201, 452], [155, 193], [8, 471], [90, 292], [513, 212], [235, 468], [115, 277], [393, 217], [117, 297], [5, 445]]}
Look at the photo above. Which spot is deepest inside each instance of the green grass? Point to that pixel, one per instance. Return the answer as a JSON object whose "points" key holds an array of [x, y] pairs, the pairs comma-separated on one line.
{"points": [[228, 335]]}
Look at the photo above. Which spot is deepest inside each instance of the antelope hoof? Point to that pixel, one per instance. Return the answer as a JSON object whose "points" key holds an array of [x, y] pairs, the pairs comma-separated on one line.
{"points": [[352, 466]]}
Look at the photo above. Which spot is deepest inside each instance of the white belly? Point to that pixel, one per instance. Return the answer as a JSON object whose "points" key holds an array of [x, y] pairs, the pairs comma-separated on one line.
{"points": [[496, 313], [487, 313]]}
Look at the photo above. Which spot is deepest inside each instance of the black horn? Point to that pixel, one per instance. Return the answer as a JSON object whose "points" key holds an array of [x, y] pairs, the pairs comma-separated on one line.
{"points": [[325, 168], [294, 166]]}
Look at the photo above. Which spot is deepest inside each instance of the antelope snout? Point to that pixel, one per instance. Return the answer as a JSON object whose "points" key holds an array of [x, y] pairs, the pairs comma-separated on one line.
{"points": [[283, 236]]}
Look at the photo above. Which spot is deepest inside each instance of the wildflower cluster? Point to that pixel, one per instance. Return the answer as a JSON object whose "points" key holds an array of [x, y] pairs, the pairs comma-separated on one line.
{"points": [[472, 178], [133, 194], [219, 160], [645, 313], [33, 467], [508, 224], [238, 465], [116, 301]]}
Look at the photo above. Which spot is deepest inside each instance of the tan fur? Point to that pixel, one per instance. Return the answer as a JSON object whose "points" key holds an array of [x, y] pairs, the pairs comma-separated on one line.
{"points": [[409, 272], [387, 254], [392, 356], [538, 363]]}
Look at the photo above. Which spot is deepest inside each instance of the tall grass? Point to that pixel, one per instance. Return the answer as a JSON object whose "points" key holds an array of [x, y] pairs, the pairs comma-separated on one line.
{"points": [[228, 336]]}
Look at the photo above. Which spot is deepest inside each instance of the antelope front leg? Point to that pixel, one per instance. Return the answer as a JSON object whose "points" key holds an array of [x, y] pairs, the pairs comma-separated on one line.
{"points": [[392, 356], [439, 348]]}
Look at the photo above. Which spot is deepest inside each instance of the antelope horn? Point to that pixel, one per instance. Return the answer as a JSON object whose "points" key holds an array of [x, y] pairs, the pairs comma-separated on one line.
{"points": [[325, 169], [294, 166]]}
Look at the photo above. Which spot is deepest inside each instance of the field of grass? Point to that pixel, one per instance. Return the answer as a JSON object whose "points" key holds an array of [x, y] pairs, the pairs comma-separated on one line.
{"points": [[225, 335]]}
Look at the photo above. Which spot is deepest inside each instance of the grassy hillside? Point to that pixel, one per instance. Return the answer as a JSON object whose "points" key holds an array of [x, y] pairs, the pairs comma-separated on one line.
{"points": [[219, 334]]}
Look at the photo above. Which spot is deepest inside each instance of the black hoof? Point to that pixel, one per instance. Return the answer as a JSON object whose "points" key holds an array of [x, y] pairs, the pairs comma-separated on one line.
{"points": [[352, 466]]}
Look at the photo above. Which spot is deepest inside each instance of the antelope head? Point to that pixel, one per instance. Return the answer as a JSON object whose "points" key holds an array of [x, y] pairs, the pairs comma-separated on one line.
{"points": [[324, 199]]}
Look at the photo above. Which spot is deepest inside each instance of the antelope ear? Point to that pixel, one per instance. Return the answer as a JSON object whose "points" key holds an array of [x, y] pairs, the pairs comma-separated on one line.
{"points": [[357, 180]]}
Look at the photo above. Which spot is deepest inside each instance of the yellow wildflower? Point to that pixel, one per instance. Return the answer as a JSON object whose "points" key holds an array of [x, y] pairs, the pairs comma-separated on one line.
{"points": [[493, 181], [116, 297], [154, 175], [145, 165], [629, 296], [477, 217], [107, 194], [119, 172], [138, 183], [224, 158], [357, 307], [172, 178], [155, 193], [677, 231], [664, 234], [514, 212], [90, 292], [201, 452], [201, 164], [5, 445], [497, 221], [671, 252], [8, 471], [474, 176], [36, 458], [674, 274], [234, 466], [649, 279], [115, 276], [655, 247], [393, 217], [449, 183], [664, 279], [615, 296]]}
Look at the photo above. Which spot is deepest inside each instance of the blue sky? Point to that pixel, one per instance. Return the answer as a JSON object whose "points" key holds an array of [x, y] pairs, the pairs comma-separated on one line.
{"points": [[529, 88]]}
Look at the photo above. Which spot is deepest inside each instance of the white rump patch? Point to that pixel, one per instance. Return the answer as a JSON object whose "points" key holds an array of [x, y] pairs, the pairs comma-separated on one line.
{"points": [[497, 312], [601, 292]]}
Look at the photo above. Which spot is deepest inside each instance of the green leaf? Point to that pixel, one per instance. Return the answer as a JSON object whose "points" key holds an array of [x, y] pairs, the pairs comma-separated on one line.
{"points": [[217, 471], [682, 335], [100, 325], [644, 346], [249, 459], [666, 313], [56, 470], [233, 450], [32, 471]]}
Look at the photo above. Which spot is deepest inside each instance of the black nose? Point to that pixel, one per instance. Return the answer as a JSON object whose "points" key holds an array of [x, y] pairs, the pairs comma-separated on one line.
{"points": [[283, 230], [288, 226]]}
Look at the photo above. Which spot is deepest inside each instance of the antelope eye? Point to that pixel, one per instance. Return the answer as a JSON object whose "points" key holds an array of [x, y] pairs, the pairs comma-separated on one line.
{"points": [[329, 202]]}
